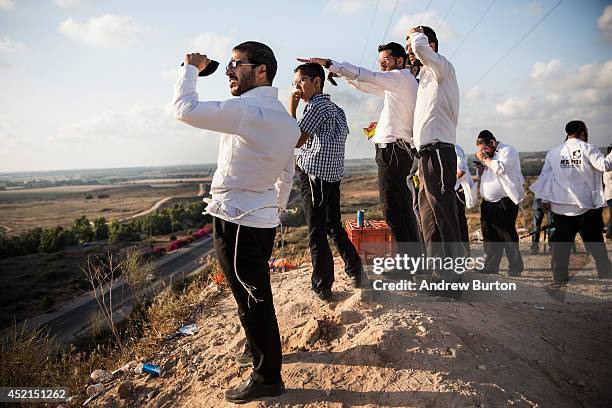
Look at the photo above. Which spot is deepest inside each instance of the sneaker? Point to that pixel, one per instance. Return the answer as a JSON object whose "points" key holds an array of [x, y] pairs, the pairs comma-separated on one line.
{"points": [[324, 294], [250, 390]]}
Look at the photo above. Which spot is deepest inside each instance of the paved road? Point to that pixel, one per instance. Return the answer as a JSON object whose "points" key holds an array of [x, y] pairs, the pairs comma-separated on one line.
{"points": [[72, 319]]}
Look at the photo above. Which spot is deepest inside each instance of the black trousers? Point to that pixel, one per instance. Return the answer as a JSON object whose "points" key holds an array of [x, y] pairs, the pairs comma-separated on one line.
{"points": [[462, 221], [590, 225], [463, 227], [438, 206], [498, 224], [321, 201], [394, 165], [258, 319]]}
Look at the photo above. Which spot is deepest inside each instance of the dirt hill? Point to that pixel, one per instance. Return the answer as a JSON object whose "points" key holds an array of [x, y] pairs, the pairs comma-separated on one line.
{"points": [[536, 347]]}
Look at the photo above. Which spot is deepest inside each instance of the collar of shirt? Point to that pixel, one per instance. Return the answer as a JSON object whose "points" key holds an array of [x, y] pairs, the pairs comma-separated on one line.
{"points": [[261, 92], [318, 96]]}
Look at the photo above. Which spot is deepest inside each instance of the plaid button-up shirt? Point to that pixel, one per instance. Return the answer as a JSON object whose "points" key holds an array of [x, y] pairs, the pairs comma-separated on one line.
{"points": [[322, 155]]}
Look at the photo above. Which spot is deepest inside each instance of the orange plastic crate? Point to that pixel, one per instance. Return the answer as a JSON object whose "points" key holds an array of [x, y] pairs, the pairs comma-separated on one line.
{"points": [[373, 240]]}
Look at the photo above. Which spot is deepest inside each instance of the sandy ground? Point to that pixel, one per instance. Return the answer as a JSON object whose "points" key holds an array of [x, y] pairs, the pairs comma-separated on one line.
{"points": [[536, 347]]}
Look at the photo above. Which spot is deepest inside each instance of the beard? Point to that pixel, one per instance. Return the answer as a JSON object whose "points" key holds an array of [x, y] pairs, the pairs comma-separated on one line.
{"points": [[246, 83]]}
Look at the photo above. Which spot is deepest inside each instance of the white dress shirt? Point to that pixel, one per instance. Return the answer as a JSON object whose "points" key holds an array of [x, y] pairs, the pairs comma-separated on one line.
{"points": [[504, 178], [607, 179], [437, 105], [465, 181], [255, 166], [399, 90], [571, 179]]}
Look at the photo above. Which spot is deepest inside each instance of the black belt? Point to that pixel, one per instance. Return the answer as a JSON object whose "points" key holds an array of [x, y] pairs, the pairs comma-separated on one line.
{"points": [[383, 145], [412, 150], [424, 151]]}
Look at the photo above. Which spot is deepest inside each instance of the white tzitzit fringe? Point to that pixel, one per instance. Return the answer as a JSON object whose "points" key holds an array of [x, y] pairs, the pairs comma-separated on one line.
{"points": [[250, 288], [441, 170]]}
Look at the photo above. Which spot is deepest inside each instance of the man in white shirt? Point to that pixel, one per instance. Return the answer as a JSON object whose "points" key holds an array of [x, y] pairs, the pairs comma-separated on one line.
{"points": [[253, 179], [435, 122], [570, 185], [607, 179], [466, 195], [393, 136], [501, 188]]}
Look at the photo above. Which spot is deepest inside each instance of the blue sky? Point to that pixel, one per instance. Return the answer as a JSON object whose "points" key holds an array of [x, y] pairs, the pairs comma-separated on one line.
{"points": [[88, 83]]}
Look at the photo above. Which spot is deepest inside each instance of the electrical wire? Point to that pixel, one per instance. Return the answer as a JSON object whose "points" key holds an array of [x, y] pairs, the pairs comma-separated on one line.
{"points": [[473, 27], [513, 47]]}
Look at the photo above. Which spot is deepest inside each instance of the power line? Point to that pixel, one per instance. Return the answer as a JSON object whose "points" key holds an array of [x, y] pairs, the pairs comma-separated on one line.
{"points": [[425, 12], [383, 39], [365, 45], [473, 27], [516, 44], [391, 19], [449, 10], [350, 103]]}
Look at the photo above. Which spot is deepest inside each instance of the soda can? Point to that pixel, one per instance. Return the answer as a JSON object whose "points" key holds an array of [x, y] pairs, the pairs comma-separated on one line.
{"points": [[152, 369], [360, 218]]}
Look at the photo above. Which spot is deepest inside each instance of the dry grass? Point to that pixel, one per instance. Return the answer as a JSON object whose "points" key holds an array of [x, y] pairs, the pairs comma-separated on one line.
{"points": [[33, 358], [178, 305]]}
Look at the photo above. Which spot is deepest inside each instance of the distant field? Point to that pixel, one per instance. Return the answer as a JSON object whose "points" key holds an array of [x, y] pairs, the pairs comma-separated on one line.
{"points": [[21, 210], [171, 180]]}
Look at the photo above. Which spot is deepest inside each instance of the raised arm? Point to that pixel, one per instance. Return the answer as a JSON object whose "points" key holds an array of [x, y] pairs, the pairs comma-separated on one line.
{"points": [[598, 160], [222, 116], [384, 80], [367, 88], [428, 57]]}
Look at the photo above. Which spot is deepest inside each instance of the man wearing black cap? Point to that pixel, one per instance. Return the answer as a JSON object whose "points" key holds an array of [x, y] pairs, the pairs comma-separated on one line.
{"points": [[570, 186], [501, 188]]}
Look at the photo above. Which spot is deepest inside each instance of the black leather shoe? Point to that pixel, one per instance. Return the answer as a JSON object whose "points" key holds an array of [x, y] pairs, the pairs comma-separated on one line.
{"points": [[250, 390]]}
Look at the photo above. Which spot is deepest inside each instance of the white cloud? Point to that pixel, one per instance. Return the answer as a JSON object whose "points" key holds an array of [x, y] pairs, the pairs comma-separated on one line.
{"points": [[545, 70], [552, 76], [142, 121], [604, 23], [474, 94], [345, 6], [534, 8], [7, 4], [515, 107], [598, 75], [103, 31], [170, 74], [7, 45], [7, 135], [349, 7], [67, 3], [443, 30], [215, 46], [562, 93]]}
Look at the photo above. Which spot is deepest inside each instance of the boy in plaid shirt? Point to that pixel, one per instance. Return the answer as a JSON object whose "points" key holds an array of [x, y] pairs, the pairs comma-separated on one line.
{"points": [[320, 168]]}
